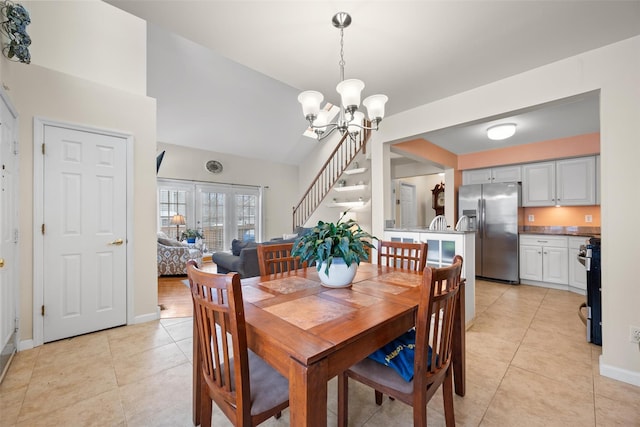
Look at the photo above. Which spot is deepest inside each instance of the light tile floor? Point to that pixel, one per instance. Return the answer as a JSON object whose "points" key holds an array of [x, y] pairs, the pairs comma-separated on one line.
{"points": [[528, 364]]}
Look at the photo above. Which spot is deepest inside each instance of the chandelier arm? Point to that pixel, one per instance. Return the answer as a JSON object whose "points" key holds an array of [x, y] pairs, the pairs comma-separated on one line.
{"points": [[365, 127]]}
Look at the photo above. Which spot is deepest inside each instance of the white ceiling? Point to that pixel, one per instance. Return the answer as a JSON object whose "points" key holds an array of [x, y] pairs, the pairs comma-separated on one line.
{"points": [[226, 74]]}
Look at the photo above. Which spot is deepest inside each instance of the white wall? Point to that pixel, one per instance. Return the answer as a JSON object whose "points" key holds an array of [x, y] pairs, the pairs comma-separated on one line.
{"points": [[424, 184], [89, 39], [39, 91], [614, 70], [280, 180]]}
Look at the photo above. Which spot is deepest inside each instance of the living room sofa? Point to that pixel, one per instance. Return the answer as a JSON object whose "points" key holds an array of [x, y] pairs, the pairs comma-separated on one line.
{"points": [[243, 258]]}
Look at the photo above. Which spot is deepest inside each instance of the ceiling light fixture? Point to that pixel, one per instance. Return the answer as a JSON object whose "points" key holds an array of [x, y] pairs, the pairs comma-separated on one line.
{"points": [[501, 131], [350, 119]]}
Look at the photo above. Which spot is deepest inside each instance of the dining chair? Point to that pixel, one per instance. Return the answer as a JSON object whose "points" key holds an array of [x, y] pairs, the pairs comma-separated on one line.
{"points": [[277, 258], [463, 223], [438, 223], [433, 351], [406, 255], [245, 387]]}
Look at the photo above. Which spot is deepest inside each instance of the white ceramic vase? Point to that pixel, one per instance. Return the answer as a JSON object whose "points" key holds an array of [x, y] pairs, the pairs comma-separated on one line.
{"points": [[340, 276]]}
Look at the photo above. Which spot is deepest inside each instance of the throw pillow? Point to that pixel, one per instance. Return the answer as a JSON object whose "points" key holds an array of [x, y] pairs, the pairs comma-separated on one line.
{"points": [[238, 245]]}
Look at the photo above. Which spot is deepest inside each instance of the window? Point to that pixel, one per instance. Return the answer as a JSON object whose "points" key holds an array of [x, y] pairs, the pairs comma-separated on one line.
{"points": [[222, 212]]}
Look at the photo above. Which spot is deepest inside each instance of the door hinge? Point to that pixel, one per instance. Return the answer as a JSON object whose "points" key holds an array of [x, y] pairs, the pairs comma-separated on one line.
{"points": [[15, 235], [42, 310], [43, 148], [42, 229], [15, 148], [16, 325]]}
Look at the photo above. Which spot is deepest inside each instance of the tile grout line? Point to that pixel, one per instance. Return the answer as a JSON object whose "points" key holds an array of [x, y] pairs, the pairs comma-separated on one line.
{"points": [[514, 353]]}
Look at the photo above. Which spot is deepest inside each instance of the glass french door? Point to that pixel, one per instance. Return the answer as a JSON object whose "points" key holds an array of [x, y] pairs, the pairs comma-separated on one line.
{"points": [[227, 213], [221, 212]]}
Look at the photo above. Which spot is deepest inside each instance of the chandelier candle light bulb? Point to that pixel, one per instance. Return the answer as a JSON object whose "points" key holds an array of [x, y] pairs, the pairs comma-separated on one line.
{"points": [[350, 121]]}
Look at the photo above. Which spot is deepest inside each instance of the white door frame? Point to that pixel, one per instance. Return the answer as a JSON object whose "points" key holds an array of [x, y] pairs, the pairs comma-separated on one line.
{"points": [[38, 218], [15, 223]]}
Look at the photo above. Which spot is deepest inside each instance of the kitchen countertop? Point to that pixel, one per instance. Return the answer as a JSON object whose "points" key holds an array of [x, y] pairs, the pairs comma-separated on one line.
{"points": [[426, 230], [560, 230]]}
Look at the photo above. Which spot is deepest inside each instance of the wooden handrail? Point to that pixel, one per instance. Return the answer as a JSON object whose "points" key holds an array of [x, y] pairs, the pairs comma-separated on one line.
{"points": [[339, 159]]}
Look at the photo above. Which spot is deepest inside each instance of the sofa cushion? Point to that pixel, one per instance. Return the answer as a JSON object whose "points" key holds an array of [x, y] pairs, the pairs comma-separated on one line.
{"points": [[238, 245]]}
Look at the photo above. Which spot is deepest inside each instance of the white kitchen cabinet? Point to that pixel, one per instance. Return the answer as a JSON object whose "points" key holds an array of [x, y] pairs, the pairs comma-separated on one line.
{"points": [[569, 182], [577, 271], [511, 173], [538, 184], [544, 260], [576, 181]]}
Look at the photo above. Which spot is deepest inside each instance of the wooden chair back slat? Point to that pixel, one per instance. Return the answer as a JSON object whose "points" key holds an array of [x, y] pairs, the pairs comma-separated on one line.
{"points": [[405, 255]]}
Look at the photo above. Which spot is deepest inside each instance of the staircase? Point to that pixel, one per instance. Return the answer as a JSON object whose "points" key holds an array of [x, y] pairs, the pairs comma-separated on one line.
{"points": [[341, 157]]}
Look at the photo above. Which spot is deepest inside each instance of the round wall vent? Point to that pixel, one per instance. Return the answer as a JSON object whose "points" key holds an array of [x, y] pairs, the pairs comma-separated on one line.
{"points": [[214, 166]]}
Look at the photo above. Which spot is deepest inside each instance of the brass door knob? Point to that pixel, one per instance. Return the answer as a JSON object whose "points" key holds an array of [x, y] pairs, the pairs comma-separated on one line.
{"points": [[1, 262], [117, 242]]}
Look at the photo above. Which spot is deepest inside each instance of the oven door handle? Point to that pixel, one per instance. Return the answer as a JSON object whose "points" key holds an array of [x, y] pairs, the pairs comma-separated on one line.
{"points": [[586, 261]]}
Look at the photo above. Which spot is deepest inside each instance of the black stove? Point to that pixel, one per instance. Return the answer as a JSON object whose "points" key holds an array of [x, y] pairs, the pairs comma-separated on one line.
{"points": [[594, 291]]}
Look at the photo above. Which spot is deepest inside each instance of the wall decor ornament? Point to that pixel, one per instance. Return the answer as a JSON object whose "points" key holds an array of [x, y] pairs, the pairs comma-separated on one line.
{"points": [[14, 27]]}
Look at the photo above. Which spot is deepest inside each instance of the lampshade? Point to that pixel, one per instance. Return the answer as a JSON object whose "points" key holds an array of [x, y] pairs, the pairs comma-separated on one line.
{"points": [[501, 131], [349, 91], [321, 121], [356, 124], [178, 220], [375, 106], [310, 101]]}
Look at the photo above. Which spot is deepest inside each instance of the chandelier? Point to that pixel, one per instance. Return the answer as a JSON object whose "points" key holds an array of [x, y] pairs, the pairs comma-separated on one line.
{"points": [[350, 120]]}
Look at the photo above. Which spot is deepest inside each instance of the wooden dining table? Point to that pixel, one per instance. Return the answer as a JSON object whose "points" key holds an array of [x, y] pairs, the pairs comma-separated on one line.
{"points": [[311, 333]]}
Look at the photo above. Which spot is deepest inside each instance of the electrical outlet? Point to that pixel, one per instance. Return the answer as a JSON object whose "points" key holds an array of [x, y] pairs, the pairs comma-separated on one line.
{"points": [[531, 218], [588, 218], [634, 334]]}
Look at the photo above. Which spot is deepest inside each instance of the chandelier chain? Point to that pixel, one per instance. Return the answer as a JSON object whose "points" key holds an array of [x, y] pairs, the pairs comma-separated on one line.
{"points": [[341, 63]]}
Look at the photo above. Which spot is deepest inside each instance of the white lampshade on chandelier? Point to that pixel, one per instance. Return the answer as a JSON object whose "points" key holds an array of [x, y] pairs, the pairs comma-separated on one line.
{"points": [[350, 120]]}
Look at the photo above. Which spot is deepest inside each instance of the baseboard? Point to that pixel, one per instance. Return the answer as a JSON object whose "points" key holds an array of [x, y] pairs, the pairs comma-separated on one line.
{"points": [[147, 317], [25, 345], [624, 375]]}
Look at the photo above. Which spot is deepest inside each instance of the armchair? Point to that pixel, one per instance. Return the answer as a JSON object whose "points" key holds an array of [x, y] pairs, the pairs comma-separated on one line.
{"points": [[173, 256]]}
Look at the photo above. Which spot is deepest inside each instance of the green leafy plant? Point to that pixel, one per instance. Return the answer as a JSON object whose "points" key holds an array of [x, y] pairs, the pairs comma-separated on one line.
{"points": [[327, 241], [190, 233]]}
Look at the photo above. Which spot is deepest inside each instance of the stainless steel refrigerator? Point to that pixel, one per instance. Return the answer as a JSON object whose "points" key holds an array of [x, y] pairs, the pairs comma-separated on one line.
{"points": [[493, 211]]}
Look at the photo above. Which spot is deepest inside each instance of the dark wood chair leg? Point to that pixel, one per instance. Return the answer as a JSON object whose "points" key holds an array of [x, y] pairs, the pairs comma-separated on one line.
{"points": [[378, 398], [343, 400]]}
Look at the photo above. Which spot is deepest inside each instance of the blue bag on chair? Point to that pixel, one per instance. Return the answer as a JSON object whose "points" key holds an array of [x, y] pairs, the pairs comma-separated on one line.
{"points": [[399, 354]]}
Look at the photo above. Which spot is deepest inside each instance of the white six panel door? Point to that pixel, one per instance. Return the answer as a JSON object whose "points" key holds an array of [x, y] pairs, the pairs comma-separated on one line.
{"points": [[84, 232]]}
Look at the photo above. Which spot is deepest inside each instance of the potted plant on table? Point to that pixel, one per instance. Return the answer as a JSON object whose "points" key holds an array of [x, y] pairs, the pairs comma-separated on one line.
{"points": [[336, 248], [191, 235]]}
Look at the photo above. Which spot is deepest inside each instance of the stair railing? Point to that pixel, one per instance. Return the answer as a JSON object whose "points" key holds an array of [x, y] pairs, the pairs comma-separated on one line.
{"points": [[330, 172]]}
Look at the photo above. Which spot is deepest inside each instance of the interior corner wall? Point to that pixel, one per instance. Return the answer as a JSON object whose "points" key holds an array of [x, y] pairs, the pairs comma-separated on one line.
{"points": [[40, 92], [90, 39], [614, 70], [280, 181]]}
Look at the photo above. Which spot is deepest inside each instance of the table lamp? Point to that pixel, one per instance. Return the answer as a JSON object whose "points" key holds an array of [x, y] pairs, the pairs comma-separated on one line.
{"points": [[178, 220]]}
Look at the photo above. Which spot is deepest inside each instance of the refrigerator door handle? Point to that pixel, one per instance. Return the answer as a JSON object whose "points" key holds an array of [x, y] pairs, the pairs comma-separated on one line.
{"points": [[481, 217]]}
